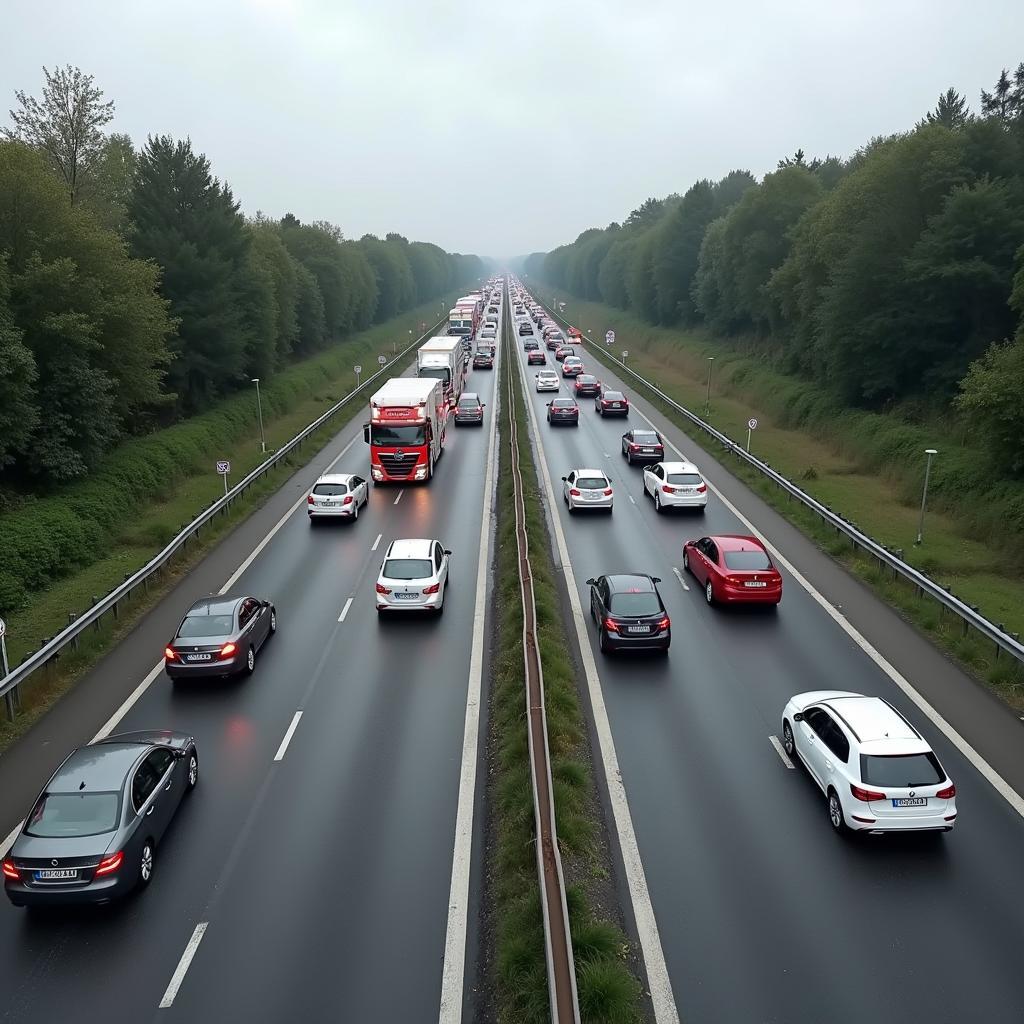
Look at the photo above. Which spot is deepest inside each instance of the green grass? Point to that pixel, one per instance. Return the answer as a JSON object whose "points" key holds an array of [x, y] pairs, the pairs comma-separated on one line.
{"points": [[609, 993], [841, 469]]}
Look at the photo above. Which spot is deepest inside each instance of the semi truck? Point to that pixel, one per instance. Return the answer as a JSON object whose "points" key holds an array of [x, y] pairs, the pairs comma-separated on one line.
{"points": [[442, 358], [406, 429]]}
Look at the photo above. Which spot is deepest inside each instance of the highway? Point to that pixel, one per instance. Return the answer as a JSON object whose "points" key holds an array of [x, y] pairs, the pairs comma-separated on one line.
{"points": [[764, 915], [309, 876]]}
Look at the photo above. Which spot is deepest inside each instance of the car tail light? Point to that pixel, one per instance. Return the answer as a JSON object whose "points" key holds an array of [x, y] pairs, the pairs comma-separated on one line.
{"points": [[432, 589], [348, 500], [607, 492], [702, 488], [309, 500], [734, 579], [227, 650], [667, 489], [664, 623], [574, 491], [382, 589], [865, 794], [10, 871], [170, 654], [948, 793], [110, 864], [611, 625], [633, 447]]}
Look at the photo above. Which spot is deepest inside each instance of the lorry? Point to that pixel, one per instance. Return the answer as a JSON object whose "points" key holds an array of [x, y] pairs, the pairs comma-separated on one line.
{"points": [[442, 358], [406, 429], [462, 322]]}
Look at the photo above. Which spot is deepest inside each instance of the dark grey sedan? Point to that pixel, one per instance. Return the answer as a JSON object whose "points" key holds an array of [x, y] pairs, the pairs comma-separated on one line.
{"points": [[220, 636], [93, 831], [470, 409]]}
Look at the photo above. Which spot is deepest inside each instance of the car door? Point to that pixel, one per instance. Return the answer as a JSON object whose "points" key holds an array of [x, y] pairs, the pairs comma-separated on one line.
{"points": [[169, 789], [247, 623], [811, 743], [596, 602], [652, 478], [699, 560], [151, 802], [568, 484], [835, 753], [440, 563], [711, 556], [358, 485]]}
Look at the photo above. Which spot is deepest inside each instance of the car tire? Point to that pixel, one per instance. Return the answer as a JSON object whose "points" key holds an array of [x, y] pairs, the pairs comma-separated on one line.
{"points": [[629, 459], [144, 867], [686, 561], [709, 593], [788, 743], [440, 608], [250, 661], [603, 642], [657, 503], [835, 813], [355, 512], [192, 776], [572, 508]]}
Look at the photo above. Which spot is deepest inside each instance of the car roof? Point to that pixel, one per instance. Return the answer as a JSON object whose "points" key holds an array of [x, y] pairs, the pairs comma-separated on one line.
{"points": [[737, 542], [591, 472], [586, 376], [215, 605], [101, 767], [564, 400], [410, 548], [679, 467], [335, 478], [636, 581], [470, 394], [878, 726]]}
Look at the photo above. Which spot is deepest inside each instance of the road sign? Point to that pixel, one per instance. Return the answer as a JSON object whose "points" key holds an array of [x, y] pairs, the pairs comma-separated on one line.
{"points": [[609, 338], [223, 467], [358, 369], [382, 360], [3, 628], [752, 423], [423, 326]]}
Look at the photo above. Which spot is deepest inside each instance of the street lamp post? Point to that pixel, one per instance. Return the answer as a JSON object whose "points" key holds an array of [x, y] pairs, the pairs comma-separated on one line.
{"points": [[924, 493], [259, 406], [707, 397]]}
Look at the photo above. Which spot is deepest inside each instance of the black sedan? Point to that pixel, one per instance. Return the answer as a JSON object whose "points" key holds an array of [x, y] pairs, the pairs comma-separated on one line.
{"points": [[564, 410], [629, 613], [220, 636], [642, 446], [93, 831], [469, 409]]}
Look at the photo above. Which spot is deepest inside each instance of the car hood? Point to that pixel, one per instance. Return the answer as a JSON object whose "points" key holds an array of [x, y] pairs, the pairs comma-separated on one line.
{"points": [[36, 847]]}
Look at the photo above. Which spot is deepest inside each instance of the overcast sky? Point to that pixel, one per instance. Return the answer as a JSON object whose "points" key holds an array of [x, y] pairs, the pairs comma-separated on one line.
{"points": [[506, 128]]}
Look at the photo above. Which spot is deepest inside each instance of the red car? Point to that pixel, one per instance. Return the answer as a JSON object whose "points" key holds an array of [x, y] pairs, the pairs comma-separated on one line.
{"points": [[536, 358], [733, 569]]}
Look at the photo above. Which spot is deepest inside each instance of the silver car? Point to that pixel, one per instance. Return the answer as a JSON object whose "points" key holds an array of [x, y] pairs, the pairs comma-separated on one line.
{"points": [[413, 577], [337, 496], [587, 488]]}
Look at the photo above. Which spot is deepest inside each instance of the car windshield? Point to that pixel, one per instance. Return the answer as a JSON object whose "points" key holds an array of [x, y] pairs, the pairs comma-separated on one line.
{"points": [[748, 560], [645, 437], [436, 372], [408, 568], [585, 378], [626, 603], [331, 489], [591, 483], [563, 403], [469, 402], [613, 396], [206, 625], [683, 478], [384, 433], [67, 815], [900, 771]]}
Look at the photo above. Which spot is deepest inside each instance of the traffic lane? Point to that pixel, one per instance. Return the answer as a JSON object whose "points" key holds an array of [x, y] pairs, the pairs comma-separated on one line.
{"points": [[361, 816], [987, 724], [749, 683]]}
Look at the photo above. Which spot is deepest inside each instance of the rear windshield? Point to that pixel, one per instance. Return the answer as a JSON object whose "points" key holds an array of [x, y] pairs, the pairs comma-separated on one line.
{"points": [[469, 403], [683, 478], [645, 437], [207, 625], [59, 815], [586, 378], [563, 403], [613, 396], [749, 560], [331, 489], [635, 604], [408, 568], [592, 483], [901, 770]]}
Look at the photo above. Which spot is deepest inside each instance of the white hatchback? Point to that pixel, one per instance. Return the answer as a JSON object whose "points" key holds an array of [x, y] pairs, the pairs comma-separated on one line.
{"points": [[337, 496], [675, 485], [587, 488], [413, 576], [876, 770], [547, 380]]}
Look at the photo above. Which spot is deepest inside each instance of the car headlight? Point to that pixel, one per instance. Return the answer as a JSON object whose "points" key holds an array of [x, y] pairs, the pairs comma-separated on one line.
{"points": [[378, 474], [421, 472]]}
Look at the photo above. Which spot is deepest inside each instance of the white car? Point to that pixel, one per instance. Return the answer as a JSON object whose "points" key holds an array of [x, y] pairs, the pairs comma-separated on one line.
{"points": [[675, 485], [413, 576], [547, 380], [337, 496], [488, 332], [875, 768], [587, 488]]}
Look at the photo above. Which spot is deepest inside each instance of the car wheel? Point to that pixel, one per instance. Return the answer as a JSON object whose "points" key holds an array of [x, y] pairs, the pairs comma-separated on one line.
{"points": [[835, 813], [440, 608], [657, 502], [572, 507], [787, 740], [686, 561], [355, 512], [603, 643], [145, 868], [709, 593], [629, 459], [250, 662], [193, 771], [273, 621]]}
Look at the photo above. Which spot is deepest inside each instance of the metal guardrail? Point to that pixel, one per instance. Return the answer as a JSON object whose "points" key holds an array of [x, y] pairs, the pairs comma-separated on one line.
{"points": [[969, 615], [91, 618]]}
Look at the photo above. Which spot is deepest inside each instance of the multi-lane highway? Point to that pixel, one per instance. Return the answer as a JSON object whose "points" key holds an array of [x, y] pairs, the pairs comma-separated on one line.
{"points": [[310, 876], [763, 913]]}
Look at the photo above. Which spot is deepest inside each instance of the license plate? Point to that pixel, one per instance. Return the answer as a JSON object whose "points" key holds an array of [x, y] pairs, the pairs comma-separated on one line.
{"points": [[638, 629], [406, 597], [755, 583], [910, 801], [616, 405], [648, 451], [54, 874], [199, 657]]}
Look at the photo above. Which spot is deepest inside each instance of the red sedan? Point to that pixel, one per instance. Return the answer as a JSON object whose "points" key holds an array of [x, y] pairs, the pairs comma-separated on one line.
{"points": [[733, 569]]}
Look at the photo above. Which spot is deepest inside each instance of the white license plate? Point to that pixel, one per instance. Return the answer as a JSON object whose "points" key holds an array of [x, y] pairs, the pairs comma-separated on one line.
{"points": [[199, 657], [648, 451], [616, 405], [755, 583], [638, 629], [55, 874], [406, 597], [910, 801]]}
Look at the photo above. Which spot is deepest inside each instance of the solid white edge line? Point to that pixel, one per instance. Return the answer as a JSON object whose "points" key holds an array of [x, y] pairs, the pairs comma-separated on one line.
{"points": [[399, 497], [453, 972], [183, 965], [658, 981], [288, 736], [344, 611], [679, 576], [781, 751], [994, 779], [376, 542]]}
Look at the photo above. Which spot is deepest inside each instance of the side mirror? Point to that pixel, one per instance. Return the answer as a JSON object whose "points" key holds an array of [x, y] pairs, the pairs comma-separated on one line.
{"points": [[447, 551], [798, 717], [178, 753], [565, 478], [483, 405], [657, 579], [592, 582], [366, 433]]}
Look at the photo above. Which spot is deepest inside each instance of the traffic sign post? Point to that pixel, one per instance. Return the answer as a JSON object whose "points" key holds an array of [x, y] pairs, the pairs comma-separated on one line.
{"points": [[382, 360], [625, 352], [751, 427], [609, 338], [358, 370], [224, 468], [11, 697]]}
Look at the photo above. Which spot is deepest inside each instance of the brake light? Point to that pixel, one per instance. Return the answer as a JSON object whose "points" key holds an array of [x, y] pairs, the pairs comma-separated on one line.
{"points": [[948, 793], [611, 625], [574, 491], [702, 488], [865, 794], [348, 500], [110, 864], [227, 650], [664, 623], [309, 500], [382, 589], [667, 489], [432, 589], [633, 447], [607, 492], [170, 654], [10, 871]]}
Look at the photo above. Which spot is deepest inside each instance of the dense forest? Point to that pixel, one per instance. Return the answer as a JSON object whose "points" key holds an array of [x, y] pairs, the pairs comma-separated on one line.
{"points": [[895, 277], [133, 291]]}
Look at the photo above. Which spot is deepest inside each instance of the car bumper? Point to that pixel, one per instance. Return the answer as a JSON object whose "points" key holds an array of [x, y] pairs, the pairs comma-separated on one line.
{"points": [[892, 824], [615, 412], [684, 500], [749, 595], [625, 642], [548, 387], [206, 669], [102, 891], [425, 604], [570, 420], [468, 419], [603, 504], [338, 512]]}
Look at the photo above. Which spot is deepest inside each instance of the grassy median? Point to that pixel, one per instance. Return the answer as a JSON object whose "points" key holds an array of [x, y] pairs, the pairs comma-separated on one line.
{"points": [[608, 988]]}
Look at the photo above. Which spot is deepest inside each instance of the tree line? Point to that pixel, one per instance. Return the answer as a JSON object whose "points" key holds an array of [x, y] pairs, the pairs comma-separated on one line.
{"points": [[895, 276], [134, 292]]}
